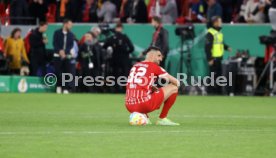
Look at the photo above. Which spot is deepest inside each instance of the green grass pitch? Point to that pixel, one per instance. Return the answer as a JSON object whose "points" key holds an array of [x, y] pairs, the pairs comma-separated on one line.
{"points": [[96, 126]]}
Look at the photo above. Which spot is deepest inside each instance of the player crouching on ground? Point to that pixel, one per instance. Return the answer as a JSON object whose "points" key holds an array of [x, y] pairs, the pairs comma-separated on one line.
{"points": [[142, 97]]}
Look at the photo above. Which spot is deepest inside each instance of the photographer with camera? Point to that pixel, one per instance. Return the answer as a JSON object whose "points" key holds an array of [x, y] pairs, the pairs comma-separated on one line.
{"points": [[214, 48], [269, 59], [90, 58], [122, 47]]}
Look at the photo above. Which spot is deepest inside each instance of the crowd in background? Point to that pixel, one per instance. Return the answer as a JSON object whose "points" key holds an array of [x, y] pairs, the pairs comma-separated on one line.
{"points": [[100, 52], [84, 57], [89, 57], [134, 11]]}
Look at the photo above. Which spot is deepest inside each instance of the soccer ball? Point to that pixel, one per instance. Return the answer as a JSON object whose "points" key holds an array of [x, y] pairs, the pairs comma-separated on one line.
{"points": [[138, 119]]}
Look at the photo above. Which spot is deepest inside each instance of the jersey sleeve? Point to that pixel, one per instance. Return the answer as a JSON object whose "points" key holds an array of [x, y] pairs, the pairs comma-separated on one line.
{"points": [[159, 71]]}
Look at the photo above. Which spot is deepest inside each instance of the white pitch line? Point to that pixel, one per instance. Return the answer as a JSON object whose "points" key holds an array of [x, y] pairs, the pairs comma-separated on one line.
{"points": [[130, 132], [227, 116], [112, 115]]}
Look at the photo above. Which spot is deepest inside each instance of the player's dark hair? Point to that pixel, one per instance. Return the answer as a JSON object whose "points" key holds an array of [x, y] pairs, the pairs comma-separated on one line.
{"points": [[152, 48]]}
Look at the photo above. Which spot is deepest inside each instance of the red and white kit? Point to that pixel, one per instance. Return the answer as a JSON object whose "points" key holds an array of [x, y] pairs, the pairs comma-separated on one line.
{"points": [[139, 95]]}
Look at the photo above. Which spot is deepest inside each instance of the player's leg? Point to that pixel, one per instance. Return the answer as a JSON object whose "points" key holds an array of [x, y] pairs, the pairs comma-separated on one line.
{"points": [[168, 90], [170, 94]]}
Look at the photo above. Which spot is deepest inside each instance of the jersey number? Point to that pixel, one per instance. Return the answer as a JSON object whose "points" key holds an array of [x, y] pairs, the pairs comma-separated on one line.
{"points": [[136, 74]]}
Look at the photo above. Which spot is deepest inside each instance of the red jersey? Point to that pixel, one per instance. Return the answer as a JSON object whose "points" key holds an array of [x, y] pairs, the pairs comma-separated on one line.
{"points": [[140, 80]]}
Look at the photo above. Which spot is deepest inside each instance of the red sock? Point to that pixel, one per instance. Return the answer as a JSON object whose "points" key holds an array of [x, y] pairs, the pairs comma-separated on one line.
{"points": [[167, 105]]}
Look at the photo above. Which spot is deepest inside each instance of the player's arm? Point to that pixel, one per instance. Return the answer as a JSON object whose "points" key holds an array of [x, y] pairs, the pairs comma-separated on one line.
{"points": [[171, 79], [161, 73]]}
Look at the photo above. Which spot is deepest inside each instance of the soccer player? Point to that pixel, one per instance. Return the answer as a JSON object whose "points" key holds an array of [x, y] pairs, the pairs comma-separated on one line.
{"points": [[142, 96]]}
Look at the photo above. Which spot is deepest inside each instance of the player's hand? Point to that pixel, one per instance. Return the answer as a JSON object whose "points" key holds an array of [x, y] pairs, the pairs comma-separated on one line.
{"points": [[154, 89]]}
